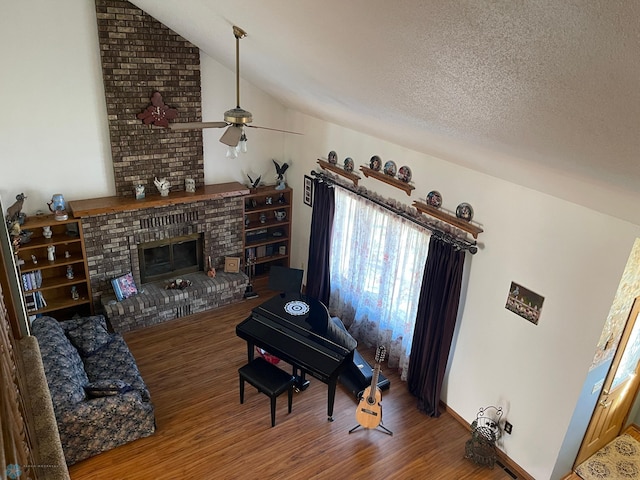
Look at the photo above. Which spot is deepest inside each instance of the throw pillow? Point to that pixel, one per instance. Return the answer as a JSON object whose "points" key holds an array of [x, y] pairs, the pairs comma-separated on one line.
{"points": [[89, 337], [107, 388]]}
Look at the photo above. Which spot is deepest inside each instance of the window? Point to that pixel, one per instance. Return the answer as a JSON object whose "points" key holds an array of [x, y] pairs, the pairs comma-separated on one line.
{"points": [[377, 263]]}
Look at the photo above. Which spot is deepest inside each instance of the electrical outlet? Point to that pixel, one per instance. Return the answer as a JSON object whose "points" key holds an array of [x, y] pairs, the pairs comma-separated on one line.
{"points": [[508, 427]]}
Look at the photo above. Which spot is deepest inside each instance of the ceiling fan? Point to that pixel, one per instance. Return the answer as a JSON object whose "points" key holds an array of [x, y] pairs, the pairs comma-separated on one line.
{"points": [[235, 119]]}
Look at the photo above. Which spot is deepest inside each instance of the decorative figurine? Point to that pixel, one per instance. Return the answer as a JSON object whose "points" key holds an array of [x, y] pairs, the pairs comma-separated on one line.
{"points": [[280, 170], [70, 272], [254, 183], [189, 185], [162, 185], [74, 293], [58, 207], [46, 232], [13, 212], [67, 254], [51, 253], [34, 259], [263, 217], [139, 191], [211, 272]]}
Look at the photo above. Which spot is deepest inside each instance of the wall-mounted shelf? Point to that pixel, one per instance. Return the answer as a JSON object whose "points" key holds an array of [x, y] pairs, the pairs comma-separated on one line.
{"points": [[388, 179], [474, 230], [340, 171]]}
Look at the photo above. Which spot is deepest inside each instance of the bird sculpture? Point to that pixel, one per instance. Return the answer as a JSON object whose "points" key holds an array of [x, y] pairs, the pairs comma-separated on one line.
{"points": [[280, 170], [254, 183], [280, 175]]}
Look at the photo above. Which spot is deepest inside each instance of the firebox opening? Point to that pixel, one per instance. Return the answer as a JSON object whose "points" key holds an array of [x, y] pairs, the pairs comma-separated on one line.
{"points": [[170, 258]]}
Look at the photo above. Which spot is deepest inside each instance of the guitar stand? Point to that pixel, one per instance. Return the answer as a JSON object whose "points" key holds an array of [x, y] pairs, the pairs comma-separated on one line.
{"points": [[382, 428]]}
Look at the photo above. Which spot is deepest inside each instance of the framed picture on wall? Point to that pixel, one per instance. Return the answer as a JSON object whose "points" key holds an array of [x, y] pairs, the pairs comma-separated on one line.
{"points": [[308, 190], [524, 302]]}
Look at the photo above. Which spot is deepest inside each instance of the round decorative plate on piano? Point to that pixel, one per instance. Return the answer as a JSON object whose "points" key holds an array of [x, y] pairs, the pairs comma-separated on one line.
{"points": [[296, 307], [332, 157]]}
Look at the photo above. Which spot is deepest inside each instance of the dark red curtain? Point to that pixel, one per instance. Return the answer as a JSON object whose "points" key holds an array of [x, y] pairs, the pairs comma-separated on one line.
{"points": [[435, 323], [318, 282]]}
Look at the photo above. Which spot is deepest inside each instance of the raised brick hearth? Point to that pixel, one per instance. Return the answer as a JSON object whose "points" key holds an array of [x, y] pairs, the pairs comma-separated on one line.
{"points": [[114, 227]]}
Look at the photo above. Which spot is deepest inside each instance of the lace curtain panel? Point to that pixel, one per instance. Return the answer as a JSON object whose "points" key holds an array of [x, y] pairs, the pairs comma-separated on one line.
{"points": [[377, 263]]}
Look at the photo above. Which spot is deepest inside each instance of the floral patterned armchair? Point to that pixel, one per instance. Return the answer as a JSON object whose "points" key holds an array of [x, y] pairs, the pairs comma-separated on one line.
{"points": [[99, 398]]}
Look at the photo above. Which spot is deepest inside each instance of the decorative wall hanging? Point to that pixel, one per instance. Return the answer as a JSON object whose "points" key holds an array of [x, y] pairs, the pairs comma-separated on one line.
{"points": [[525, 303], [308, 190], [157, 113], [465, 212]]}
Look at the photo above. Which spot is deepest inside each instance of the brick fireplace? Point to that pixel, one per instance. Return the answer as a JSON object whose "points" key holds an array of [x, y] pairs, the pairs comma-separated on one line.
{"points": [[115, 227]]}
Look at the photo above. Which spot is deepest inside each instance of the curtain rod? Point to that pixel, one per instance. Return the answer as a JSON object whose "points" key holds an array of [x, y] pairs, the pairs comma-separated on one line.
{"points": [[457, 242]]}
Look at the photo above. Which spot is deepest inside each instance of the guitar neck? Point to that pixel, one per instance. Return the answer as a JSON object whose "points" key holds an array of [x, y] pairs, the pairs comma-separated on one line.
{"points": [[374, 381]]}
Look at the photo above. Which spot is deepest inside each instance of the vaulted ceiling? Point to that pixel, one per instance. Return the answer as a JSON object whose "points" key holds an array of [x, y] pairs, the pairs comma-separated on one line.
{"points": [[487, 84]]}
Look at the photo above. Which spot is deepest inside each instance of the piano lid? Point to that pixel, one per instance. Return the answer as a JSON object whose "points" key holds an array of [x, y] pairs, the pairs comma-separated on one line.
{"points": [[305, 314]]}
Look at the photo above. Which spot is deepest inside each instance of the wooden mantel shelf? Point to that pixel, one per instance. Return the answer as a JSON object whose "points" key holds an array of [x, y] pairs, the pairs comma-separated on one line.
{"points": [[98, 206], [388, 179], [468, 227], [340, 171]]}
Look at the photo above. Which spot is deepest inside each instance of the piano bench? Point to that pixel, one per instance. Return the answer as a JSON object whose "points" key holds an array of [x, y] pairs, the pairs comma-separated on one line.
{"points": [[268, 379]]}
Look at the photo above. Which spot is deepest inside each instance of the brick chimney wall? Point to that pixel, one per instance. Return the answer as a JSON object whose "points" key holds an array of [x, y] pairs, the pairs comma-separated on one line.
{"points": [[141, 56]]}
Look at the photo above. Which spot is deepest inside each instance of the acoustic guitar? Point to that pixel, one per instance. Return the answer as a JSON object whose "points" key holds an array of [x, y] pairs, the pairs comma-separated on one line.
{"points": [[369, 411]]}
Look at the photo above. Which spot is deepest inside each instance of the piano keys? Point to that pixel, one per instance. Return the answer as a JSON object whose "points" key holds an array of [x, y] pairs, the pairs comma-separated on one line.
{"points": [[299, 330]]}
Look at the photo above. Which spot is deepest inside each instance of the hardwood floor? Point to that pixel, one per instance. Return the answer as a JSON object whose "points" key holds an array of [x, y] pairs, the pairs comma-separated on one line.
{"points": [[190, 366]]}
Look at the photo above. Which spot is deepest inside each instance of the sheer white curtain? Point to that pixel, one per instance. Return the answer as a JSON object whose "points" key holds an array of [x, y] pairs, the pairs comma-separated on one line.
{"points": [[377, 262]]}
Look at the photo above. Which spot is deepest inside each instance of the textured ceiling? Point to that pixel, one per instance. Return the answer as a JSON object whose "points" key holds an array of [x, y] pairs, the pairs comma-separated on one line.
{"points": [[497, 86]]}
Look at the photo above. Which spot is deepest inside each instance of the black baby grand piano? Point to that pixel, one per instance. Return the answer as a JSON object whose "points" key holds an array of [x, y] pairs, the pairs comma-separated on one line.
{"points": [[298, 330]]}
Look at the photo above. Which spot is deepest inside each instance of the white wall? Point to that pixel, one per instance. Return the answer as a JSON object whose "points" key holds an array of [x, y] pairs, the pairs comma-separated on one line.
{"points": [[571, 255], [54, 138], [53, 126]]}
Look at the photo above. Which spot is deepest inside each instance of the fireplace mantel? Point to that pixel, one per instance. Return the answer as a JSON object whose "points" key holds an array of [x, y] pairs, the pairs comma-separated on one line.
{"points": [[98, 206]]}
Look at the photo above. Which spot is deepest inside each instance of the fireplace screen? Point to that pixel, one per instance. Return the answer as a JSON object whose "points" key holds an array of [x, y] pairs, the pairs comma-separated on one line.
{"points": [[170, 257]]}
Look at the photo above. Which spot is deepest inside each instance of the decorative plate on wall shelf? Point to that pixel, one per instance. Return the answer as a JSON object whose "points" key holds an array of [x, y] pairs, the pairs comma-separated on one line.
{"points": [[464, 211], [348, 164], [332, 157], [375, 163], [390, 168], [434, 199], [404, 174]]}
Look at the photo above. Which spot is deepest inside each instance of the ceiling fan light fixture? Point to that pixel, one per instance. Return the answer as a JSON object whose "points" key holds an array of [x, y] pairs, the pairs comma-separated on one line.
{"points": [[242, 145], [232, 152]]}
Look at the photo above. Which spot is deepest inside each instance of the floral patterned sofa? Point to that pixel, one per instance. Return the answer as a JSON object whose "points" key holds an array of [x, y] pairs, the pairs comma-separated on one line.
{"points": [[99, 398]]}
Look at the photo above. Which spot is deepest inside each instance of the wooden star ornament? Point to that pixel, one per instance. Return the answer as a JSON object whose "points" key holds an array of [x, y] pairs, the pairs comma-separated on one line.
{"points": [[158, 113]]}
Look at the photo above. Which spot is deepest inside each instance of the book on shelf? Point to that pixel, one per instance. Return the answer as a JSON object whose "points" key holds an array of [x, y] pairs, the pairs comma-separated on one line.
{"points": [[32, 280]]}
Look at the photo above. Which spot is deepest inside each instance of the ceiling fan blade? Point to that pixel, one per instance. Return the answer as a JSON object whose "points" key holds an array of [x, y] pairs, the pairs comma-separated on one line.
{"points": [[232, 135], [195, 125], [274, 129]]}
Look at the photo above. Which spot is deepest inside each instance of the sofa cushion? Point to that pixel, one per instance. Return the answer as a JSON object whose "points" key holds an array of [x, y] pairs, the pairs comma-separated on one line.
{"points": [[63, 366], [106, 388], [115, 360], [88, 335]]}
